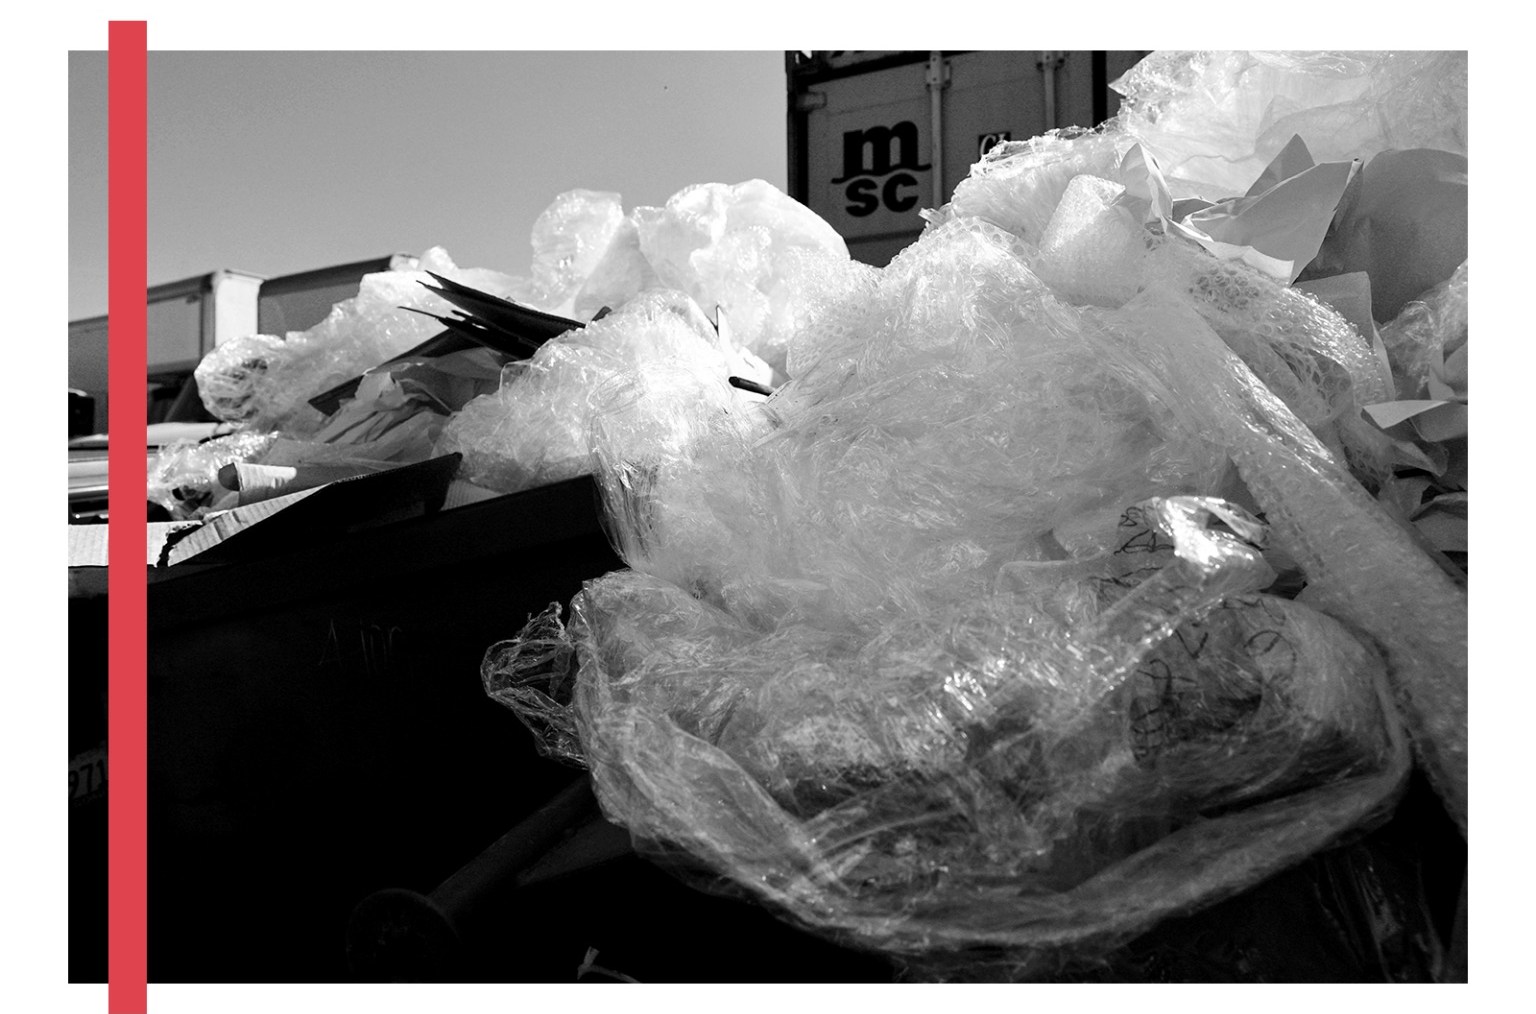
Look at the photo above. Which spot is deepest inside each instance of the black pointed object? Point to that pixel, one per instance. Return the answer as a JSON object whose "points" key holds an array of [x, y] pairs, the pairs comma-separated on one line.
{"points": [[499, 324], [503, 314], [742, 383], [475, 331]]}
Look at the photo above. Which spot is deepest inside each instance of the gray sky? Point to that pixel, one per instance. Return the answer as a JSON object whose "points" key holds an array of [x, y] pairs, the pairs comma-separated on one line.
{"points": [[276, 162]]}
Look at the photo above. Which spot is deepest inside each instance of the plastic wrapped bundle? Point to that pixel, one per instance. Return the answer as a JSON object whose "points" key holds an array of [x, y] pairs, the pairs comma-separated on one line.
{"points": [[654, 358], [1215, 119], [980, 789], [265, 381]]}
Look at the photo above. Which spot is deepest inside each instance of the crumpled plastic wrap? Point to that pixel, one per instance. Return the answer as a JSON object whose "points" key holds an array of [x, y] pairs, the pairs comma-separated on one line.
{"points": [[749, 248], [620, 274], [570, 238], [752, 264], [1019, 184], [765, 258], [1070, 199], [638, 366], [1304, 351], [980, 789], [967, 657], [1215, 119], [265, 381], [1360, 566], [957, 364], [708, 287]]}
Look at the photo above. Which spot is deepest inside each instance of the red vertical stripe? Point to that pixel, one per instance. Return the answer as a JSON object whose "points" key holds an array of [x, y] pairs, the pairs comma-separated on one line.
{"points": [[127, 970]]}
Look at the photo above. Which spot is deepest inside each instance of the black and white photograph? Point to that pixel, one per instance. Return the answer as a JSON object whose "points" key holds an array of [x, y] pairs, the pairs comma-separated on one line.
{"points": [[741, 516]]}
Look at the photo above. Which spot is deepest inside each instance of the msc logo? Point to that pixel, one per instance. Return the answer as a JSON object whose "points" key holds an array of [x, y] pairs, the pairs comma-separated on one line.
{"points": [[879, 152]]}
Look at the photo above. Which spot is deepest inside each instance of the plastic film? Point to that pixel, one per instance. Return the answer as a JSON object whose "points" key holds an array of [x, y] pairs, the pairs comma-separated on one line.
{"points": [[956, 655], [265, 381], [1216, 119]]}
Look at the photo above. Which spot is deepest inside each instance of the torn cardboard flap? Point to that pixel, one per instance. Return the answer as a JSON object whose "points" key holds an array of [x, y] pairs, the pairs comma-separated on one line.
{"points": [[88, 543], [221, 526], [312, 516]]}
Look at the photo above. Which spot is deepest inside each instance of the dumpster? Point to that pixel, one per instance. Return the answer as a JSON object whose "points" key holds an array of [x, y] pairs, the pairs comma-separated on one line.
{"points": [[316, 731]]}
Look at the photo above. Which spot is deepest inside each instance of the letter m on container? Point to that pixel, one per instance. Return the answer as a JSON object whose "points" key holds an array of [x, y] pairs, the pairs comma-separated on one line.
{"points": [[876, 152]]}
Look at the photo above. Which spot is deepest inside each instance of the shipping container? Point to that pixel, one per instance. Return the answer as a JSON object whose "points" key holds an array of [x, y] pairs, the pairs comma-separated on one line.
{"points": [[875, 137], [299, 301], [184, 319]]}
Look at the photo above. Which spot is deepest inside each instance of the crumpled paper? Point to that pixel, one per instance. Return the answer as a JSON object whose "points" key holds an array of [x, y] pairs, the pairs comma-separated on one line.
{"points": [[1277, 226]]}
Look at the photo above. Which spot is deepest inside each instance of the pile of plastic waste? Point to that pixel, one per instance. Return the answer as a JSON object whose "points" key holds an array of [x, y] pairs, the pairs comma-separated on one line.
{"points": [[1094, 560], [262, 385], [746, 253], [1070, 579]]}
